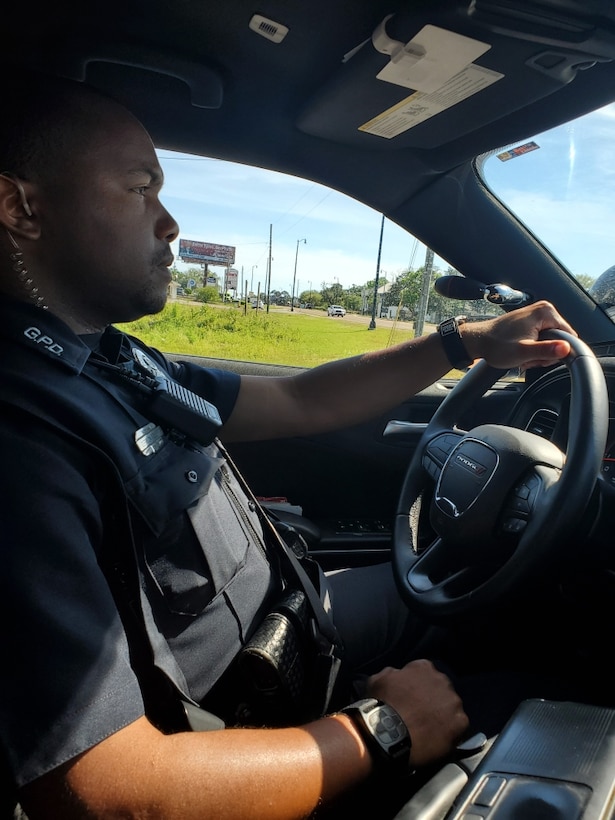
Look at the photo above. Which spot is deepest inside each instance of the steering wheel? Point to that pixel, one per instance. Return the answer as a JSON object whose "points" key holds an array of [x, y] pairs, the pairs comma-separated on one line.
{"points": [[499, 500]]}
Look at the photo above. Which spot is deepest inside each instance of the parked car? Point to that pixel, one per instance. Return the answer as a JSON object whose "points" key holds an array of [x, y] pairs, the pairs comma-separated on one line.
{"points": [[494, 158]]}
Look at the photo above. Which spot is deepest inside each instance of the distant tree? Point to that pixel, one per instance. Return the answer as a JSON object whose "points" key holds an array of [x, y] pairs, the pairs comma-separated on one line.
{"points": [[405, 291], [207, 294], [311, 297], [382, 280], [279, 297], [585, 280], [332, 294], [182, 277], [353, 302]]}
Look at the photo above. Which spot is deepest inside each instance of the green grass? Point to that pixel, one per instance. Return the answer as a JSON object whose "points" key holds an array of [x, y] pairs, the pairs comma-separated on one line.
{"points": [[305, 339]]}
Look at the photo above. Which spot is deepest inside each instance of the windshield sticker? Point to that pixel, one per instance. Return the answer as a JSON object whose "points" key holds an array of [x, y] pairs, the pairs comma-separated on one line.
{"points": [[511, 153]]}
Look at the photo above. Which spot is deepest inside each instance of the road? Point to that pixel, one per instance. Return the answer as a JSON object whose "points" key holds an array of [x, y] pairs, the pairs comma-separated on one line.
{"points": [[355, 318]]}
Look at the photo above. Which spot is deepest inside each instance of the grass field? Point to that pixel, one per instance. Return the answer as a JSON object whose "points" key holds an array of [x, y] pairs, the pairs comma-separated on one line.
{"points": [[303, 338]]}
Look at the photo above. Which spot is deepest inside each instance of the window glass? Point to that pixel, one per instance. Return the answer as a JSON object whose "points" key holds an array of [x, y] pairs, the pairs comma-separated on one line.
{"points": [[262, 256]]}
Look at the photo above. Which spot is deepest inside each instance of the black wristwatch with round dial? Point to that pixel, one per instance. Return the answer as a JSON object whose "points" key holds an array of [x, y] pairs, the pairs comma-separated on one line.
{"points": [[384, 732], [452, 342]]}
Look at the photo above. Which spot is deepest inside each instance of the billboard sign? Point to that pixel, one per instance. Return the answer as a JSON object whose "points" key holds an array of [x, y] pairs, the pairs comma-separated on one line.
{"points": [[231, 279], [192, 251]]}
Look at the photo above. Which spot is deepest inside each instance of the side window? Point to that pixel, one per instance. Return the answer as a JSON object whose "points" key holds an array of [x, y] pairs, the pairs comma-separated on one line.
{"points": [[274, 268]]}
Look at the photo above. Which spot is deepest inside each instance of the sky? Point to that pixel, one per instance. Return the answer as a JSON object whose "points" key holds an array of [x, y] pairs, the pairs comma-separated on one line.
{"points": [[229, 204], [563, 190]]}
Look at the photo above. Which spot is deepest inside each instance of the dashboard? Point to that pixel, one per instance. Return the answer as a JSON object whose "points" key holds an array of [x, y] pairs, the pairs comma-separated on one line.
{"points": [[543, 409]]}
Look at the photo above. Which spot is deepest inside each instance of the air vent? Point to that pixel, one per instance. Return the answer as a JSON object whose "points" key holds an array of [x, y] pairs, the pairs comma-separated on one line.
{"points": [[273, 31], [543, 423]]}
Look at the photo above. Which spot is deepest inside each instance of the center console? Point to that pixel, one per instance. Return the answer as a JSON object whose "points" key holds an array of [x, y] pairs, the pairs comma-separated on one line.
{"points": [[552, 761]]}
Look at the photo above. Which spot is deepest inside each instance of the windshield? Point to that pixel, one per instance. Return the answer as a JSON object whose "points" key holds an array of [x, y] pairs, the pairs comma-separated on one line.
{"points": [[560, 184]]}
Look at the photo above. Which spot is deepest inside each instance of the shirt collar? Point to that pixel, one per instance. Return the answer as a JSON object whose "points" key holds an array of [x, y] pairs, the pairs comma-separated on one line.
{"points": [[42, 333]]}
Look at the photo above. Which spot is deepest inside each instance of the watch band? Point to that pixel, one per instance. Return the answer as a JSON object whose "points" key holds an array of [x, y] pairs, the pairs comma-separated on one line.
{"points": [[452, 342], [384, 732]]}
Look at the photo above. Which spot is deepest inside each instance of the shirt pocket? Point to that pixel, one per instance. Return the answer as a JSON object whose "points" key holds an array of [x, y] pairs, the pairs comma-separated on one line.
{"points": [[199, 530], [171, 482], [169, 485]]}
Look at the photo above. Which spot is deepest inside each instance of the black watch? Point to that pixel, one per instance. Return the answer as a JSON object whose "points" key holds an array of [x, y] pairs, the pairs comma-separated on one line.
{"points": [[453, 344], [384, 732]]}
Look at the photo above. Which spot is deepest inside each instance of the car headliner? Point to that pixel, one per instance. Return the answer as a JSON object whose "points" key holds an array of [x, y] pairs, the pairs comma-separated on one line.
{"points": [[203, 82]]}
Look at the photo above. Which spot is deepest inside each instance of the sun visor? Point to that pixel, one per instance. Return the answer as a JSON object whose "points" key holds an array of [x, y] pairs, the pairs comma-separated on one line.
{"points": [[425, 86]]}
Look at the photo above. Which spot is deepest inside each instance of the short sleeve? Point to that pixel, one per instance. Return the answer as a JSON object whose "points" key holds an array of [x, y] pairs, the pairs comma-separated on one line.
{"points": [[66, 681]]}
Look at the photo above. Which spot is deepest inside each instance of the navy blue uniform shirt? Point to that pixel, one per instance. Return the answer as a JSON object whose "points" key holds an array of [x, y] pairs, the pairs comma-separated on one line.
{"points": [[88, 475]]}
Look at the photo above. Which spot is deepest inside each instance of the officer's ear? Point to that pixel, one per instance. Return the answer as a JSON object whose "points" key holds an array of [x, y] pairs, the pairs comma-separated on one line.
{"points": [[16, 213]]}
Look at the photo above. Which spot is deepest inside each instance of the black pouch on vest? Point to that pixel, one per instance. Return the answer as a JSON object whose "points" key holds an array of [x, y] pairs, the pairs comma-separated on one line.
{"points": [[276, 664]]}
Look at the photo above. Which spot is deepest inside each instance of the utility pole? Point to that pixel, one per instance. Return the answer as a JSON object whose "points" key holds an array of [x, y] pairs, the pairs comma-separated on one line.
{"points": [[268, 278], [421, 310], [372, 324], [292, 298]]}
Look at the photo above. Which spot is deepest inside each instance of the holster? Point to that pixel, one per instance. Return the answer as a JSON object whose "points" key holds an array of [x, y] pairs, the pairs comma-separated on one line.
{"points": [[287, 670]]}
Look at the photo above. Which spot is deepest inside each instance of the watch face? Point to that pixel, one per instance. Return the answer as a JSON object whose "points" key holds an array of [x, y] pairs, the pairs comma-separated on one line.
{"points": [[453, 343], [448, 326], [389, 730], [383, 730]]}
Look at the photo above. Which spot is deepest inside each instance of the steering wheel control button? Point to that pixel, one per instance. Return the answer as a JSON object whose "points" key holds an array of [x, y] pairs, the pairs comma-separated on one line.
{"points": [[514, 526], [437, 452], [520, 503]]}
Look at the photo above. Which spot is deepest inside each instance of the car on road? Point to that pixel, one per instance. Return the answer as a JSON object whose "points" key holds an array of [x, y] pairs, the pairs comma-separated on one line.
{"points": [[483, 130]]}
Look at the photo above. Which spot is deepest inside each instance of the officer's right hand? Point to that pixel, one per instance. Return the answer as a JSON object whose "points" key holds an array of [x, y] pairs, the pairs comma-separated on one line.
{"points": [[429, 705]]}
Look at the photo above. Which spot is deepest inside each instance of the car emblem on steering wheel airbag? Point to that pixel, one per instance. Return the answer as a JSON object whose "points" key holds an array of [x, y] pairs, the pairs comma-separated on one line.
{"points": [[465, 474]]}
